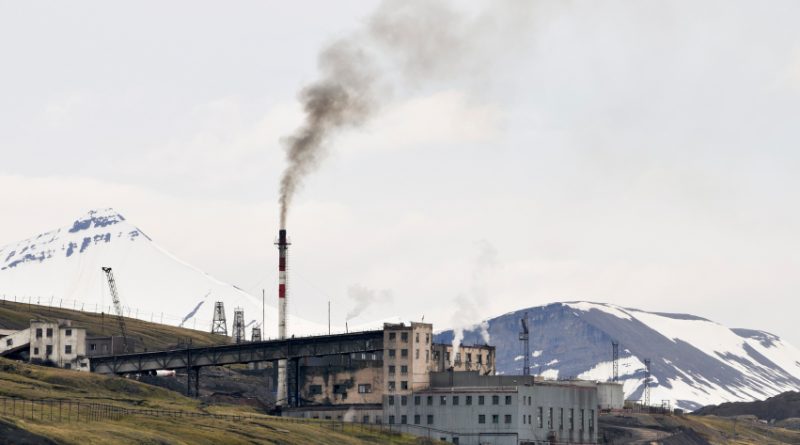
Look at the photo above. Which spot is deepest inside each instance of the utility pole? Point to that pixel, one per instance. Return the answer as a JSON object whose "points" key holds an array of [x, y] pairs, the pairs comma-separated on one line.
{"points": [[615, 360], [647, 383]]}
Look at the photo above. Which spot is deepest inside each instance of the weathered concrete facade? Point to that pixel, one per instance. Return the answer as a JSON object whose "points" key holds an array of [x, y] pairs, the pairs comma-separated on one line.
{"points": [[479, 358], [60, 344], [610, 396]]}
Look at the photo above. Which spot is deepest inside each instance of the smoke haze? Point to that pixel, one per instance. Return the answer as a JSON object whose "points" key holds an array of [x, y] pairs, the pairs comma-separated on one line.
{"points": [[404, 44], [364, 297], [467, 312]]}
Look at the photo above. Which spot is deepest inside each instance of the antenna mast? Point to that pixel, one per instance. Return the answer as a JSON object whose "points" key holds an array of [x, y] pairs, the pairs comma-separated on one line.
{"points": [[524, 337], [615, 360]]}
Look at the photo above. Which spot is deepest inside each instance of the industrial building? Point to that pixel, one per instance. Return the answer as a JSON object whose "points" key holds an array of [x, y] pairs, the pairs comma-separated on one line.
{"points": [[56, 343], [412, 386]]}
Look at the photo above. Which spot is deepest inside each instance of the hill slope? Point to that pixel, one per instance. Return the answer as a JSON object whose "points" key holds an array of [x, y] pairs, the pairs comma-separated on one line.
{"points": [[34, 382], [780, 407], [695, 361]]}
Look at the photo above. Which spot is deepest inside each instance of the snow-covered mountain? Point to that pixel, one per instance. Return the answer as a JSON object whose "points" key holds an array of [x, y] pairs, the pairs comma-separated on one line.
{"points": [[694, 361], [63, 267]]}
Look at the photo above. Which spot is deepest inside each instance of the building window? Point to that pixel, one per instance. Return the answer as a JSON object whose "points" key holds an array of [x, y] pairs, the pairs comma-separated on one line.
{"points": [[391, 385], [68, 332], [495, 400], [404, 400], [455, 400], [550, 418], [430, 419], [582, 420], [68, 349], [481, 418], [427, 354], [447, 357], [391, 369], [529, 420], [9, 342], [508, 400], [391, 420], [105, 348], [35, 351], [561, 418], [458, 357], [404, 353], [365, 419], [38, 332], [442, 400], [404, 337], [48, 349], [404, 384], [392, 336], [403, 369], [403, 419], [391, 400], [67, 365], [495, 418], [469, 400], [481, 400], [314, 390], [508, 418], [469, 357], [416, 337], [340, 389], [591, 419], [364, 388], [523, 419], [427, 338], [49, 332], [416, 419], [480, 359], [417, 400], [92, 346], [391, 353], [571, 419], [539, 417], [416, 353]]}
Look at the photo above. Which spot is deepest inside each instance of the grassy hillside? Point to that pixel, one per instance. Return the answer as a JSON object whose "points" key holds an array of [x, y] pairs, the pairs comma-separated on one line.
{"points": [[691, 430], [32, 382], [148, 335]]}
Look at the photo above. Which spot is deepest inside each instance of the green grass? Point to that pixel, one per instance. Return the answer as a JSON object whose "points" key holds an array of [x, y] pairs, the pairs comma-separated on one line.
{"points": [[152, 336], [36, 382]]}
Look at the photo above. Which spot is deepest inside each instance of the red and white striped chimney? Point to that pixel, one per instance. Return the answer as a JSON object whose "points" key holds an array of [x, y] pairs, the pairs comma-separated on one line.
{"points": [[283, 246]]}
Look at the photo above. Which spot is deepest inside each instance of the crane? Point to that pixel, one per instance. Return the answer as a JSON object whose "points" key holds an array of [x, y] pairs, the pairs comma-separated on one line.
{"points": [[117, 306]]}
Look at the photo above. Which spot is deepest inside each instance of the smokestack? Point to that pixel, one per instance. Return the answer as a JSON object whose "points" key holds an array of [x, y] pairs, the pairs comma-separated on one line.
{"points": [[283, 246]]}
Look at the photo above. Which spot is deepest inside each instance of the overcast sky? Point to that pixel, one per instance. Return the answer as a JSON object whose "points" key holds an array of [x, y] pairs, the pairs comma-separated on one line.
{"points": [[643, 153]]}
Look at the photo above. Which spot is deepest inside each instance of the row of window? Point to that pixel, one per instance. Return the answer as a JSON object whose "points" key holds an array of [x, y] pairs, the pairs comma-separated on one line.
{"points": [[454, 400], [417, 419], [403, 385], [404, 337], [49, 350], [49, 332], [468, 355], [403, 369], [560, 417], [495, 418], [404, 353]]}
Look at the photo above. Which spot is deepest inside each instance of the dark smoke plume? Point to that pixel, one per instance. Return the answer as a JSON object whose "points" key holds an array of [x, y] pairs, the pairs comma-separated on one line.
{"points": [[405, 43], [343, 97]]}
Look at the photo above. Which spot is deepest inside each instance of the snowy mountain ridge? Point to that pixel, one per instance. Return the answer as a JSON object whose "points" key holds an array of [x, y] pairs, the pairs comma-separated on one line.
{"points": [[64, 265], [694, 361]]}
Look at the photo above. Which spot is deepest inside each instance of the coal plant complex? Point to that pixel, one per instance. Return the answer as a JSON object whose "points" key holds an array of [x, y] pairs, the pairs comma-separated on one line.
{"points": [[397, 376]]}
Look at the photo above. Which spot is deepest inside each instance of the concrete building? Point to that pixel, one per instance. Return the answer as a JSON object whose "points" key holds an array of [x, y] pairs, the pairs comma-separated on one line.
{"points": [[468, 408], [478, 358], [45, 342], [610, 396], [415, 386]]}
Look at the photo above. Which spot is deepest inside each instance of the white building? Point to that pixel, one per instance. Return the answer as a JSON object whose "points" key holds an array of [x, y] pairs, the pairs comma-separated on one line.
{"points": [[45, 342]]}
